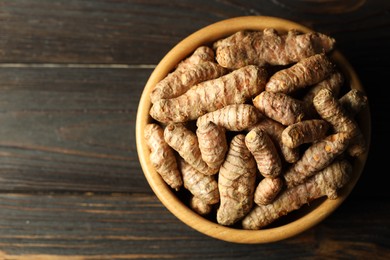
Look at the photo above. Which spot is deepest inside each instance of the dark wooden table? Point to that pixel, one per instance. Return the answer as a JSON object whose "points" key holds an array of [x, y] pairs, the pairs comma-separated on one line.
{"points": [[71, 75]]}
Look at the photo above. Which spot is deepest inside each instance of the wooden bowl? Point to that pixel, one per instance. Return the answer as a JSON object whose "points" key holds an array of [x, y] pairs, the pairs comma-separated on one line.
{"points": [[293, 223]]}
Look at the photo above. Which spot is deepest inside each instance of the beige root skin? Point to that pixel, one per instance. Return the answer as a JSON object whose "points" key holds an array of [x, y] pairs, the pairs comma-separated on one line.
{"points": [[237, 117], [179, 81], [201, 54], [185, 142], [274, 130], [236, 182], [265, 153], [212, 144], [236, 87], [325, 183], [303, 132], [200, 206], [205, 187], [267, 190], [280, 107], [316, 157], [162, 156], [353, 102], [333, 83], [305, 73], [268, 47], [330, 109]]}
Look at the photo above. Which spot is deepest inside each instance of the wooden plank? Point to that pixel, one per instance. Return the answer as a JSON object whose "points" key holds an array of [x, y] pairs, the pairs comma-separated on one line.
{"points": [[141, 32], [137, 226], [70, 129]]}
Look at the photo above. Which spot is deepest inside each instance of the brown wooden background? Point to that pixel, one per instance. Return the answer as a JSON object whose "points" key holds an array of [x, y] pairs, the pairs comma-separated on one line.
{"points": [[71, 74]]}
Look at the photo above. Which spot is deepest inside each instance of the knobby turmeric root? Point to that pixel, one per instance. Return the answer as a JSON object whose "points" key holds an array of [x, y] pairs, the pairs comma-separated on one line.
{"points": [[162, 156], [330, 109], [236, 182], [267, 190], [325, 183], [316, 157], [212, 144], [235, 117], [333, 82], [236, 87], [204, 187], [306, 131], [305, 73], [185, 142], [268, 47], [173, 84], [274, 130], [201, 54], [280, 107], [179, 81], [353, 102], [200, 206], [265, 153]]}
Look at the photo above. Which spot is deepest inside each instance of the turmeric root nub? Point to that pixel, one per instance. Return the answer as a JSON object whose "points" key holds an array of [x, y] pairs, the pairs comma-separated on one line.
{"points": [[212, 144], [264, 151], [179, 81], [236, 87], [202, 186], [316, 157], [306, 131], [236, 182], [200, 206], [162, 156], [307, 72], [274, 130], [235, 117], [185, 142], [327, 182], [268, 47], [280, 107], [267, 190], [331, 110]]}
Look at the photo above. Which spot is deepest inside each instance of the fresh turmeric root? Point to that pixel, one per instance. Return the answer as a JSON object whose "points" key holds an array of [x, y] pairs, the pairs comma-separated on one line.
{"points": [[307, 72], [236, 182], [173, 85], [236, 87], [212, 144], [185, 142], [333, 82], [235, 117], [330, 109], [268, 47], [353, 102], [274, 130], [162, 156], [179, 81], [200, 206], [265, 153], [267, 190], [325, 183], [316, 157], [306, 131], [205, 187], [280, 107], [201, 54]]}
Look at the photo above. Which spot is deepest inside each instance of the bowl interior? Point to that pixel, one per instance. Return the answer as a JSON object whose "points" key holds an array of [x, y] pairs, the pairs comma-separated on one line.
{"points": [[293, 223]]}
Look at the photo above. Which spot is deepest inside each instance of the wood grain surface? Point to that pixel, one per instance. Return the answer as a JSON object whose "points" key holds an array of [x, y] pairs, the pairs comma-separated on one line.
{"points": [[71, 74]]}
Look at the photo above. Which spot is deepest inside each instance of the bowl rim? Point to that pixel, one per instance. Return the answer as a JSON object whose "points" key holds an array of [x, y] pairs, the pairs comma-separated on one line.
{"points": [[169, 199]]}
